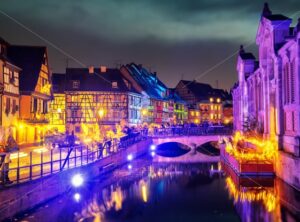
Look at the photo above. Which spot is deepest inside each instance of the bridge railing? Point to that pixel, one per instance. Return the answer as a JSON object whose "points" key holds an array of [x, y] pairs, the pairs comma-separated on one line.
{"points": [[191, 131], [33, 165]]}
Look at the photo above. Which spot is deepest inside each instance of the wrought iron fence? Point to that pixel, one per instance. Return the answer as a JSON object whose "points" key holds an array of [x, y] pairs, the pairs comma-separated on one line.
{"points": [[36, 165]]}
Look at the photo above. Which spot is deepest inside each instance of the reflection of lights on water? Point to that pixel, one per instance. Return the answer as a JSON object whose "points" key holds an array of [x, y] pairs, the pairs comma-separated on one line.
{"points": [[144, 193], [152, 153], [129, 157], [117, 199], [129, 166], [144, 190], [77, 180], [152, 147], [211, 167], [267, 196], [77, 197]]}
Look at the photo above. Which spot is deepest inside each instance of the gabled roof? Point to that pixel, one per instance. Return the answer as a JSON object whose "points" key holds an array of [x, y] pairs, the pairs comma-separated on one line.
{"points": [[30, 60], [149, 82], [203, 91], [96, 81], [173, 95]]}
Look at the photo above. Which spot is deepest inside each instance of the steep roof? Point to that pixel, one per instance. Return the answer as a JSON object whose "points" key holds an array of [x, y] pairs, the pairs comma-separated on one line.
{"points": [[95, 81], [173, 95], [30, 60], [150, 83], [203, 91]]}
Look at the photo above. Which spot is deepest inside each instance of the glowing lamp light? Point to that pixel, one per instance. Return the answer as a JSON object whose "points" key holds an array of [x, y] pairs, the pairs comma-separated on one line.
{"points": [[59, 110], [101, 112], [144, 112], [152, 147], [77, 142], [129, 166], [152, 153], [77, 180], [77, 197], [129, 157]]}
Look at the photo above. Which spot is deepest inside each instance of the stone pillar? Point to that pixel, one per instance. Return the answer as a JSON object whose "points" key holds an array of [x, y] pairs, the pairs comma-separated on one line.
{"points": [[265, 102], [278, 100]]}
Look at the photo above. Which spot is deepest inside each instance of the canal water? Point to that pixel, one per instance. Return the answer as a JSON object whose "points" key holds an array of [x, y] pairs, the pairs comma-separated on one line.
{"points": [[143, 190]]}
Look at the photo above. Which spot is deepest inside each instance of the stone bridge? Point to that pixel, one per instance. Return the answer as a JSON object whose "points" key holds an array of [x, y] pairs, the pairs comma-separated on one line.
{"points": [[192, 142]]}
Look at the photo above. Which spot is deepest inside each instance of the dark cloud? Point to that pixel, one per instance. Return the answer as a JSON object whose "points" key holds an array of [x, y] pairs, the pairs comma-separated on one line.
{"points": [[172, 37]]}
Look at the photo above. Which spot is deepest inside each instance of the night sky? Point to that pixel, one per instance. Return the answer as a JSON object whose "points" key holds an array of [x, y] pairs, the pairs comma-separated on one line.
{"points": [[176, 38]]}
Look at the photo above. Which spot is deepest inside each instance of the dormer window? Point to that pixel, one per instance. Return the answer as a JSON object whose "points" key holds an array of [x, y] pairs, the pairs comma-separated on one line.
{"points": [[114, 85], [75, 84]]}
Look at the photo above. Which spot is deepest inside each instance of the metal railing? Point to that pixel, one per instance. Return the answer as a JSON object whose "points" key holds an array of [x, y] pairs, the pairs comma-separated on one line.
{"points": [[39, 164], [191, 131]]}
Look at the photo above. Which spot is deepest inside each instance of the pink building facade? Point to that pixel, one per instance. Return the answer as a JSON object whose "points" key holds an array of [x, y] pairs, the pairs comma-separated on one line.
{"points": [[268, 90]]}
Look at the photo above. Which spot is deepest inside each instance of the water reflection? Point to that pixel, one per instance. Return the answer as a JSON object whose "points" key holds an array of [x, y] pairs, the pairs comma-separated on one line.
{"points": [[174, 192], [262, 198]]}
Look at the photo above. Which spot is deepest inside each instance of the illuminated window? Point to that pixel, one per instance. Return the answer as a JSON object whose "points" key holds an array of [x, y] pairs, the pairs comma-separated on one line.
{"points": [[218, 100], [75, 84], [192, 113], [114, 85], [211, 100], [211, 116], [211, 107]]}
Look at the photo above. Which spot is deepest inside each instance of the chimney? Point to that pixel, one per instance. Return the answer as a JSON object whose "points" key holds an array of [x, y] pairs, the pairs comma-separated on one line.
{"points": [[103, 69], [242, 51], [91, 69]]}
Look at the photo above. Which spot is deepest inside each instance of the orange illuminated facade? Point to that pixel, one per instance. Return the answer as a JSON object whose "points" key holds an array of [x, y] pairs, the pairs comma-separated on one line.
{"points": [[9, 94], [35, 92]]}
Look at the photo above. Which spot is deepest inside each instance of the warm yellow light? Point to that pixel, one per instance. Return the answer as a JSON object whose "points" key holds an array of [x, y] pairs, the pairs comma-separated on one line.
{"points": [[211, 100], [266, 150], [59, 110], [144, 112], [218, 100], [15, 155], [40, 150], [101, 113]]}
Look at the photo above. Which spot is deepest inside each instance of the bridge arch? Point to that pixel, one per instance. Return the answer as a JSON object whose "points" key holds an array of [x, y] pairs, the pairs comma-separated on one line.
{"points": [[190, 141]]}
